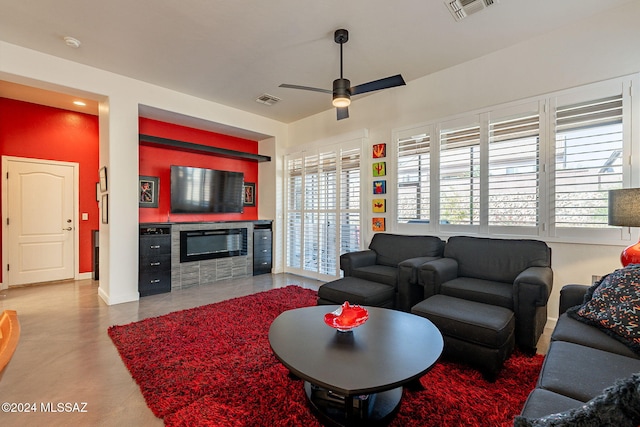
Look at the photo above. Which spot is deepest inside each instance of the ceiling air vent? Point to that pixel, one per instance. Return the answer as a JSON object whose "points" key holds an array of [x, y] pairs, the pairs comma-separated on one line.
{"points": [[460, 9], [267, 99]]}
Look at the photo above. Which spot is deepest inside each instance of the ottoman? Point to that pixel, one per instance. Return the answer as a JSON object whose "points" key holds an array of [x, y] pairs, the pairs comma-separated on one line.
{"points": [[357, 291], [478, 334]]}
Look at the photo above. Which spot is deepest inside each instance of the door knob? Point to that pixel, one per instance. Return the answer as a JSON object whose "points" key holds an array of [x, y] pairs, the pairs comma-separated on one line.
{"points": [[68, 228]]}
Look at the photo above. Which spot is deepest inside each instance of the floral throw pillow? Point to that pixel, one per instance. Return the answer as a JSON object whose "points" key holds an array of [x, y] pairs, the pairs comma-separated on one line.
{"points": [[614, 306]]}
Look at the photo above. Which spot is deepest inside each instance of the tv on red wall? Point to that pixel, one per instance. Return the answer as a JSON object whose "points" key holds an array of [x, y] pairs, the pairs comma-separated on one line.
{"points": [[199, 190]]}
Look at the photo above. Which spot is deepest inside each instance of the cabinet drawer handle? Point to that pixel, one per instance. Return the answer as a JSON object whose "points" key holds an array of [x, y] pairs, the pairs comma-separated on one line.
{"points": [[154, 264], [154, 281], [154, 247]]}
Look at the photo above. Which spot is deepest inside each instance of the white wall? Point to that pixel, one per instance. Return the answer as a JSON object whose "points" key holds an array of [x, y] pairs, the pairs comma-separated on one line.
{"points": [[596, 49], [120, 98]]}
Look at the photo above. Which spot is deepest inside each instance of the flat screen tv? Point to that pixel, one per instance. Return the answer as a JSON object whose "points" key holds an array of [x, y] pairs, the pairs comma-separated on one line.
{"points": [[198, 190]]}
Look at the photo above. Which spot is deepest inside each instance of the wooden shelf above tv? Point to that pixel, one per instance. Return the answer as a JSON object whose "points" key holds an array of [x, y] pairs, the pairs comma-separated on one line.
{"points": [[204, 149]]}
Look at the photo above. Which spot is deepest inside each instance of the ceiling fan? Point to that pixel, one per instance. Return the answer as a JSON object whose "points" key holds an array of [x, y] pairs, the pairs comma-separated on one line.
{"points": [[342, 89]]}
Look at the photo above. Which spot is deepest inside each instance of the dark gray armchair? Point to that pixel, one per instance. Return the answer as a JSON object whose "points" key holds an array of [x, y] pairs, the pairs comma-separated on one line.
{"points": [[515, 274], [380, 263]]}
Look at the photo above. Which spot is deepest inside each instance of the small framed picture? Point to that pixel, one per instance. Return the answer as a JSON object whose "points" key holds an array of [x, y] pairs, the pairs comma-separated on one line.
{"points": [[380, 187], [379, 205], [249, 194], [103, 179], [378, 224], [380, 169], [149, 189], [97, 192], [379, 151], [105, 208]]}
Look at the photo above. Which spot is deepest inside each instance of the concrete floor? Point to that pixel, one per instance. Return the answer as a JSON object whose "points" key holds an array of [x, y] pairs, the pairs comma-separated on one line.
{"points": [[65, 355]]}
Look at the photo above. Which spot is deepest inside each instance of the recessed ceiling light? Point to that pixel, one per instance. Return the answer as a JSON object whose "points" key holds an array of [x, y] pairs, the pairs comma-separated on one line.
{"points": [[72, 42], [80, 103]]}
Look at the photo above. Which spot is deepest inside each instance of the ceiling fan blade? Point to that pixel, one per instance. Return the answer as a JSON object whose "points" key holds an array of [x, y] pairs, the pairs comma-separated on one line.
{"points": [[314, 89], [343, 112], [385, 83]]}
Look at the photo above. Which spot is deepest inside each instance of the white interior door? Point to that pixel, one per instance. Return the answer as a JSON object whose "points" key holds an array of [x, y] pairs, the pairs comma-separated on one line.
{"points": [[40, 221]]}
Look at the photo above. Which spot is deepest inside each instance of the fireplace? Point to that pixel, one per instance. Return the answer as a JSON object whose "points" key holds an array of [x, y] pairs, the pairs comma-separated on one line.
{"points": [[199, 245]]}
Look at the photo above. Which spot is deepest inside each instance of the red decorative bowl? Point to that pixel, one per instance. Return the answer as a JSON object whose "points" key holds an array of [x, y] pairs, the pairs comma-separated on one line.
{"points": [[346, 317]]}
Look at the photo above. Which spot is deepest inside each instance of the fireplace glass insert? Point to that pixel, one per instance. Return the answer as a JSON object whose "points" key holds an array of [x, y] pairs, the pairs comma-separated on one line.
{"points": [[199, 245]]}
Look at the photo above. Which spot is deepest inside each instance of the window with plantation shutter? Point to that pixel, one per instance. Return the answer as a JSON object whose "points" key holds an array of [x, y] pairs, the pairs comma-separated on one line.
{"points": [[350, 200], [460, 175], [323, 209], [311, 214], [294, 212], [326, 214], [539, 167], [413, 178], [588, 160], [514, 150]]}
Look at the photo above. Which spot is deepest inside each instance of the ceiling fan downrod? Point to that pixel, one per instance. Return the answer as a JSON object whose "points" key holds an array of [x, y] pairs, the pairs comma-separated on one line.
{"points": [[341, 36], [341, 86]]}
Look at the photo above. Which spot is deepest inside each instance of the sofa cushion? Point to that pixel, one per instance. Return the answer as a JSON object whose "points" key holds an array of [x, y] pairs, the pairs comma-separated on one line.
{"points": [[543, 402], [499, 260], [581, 372], [618, 405], [612, 305], [484, 291], [377, 273], [392, 249], [571, 330]]}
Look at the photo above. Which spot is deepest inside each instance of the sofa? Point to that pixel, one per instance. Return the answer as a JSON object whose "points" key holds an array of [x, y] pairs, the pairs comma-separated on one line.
{"points": [[591, 373], [392, 259], [509, 273]]}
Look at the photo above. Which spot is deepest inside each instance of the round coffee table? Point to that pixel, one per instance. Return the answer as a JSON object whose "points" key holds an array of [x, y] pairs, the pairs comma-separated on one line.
{"points": [[355, 377]]}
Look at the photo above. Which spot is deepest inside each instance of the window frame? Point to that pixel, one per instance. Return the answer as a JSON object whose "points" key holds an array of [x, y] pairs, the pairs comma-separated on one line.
{"points": [[546, 229]]}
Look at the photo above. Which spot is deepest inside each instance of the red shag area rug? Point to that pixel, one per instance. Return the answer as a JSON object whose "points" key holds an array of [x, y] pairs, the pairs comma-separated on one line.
{"points": [[213, 366]]}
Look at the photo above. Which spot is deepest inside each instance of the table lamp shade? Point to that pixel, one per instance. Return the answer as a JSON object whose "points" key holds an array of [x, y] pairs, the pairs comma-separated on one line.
{"points": [[624, 210]]}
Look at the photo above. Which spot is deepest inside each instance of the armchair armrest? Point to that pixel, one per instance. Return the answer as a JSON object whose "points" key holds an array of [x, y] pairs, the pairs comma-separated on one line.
{"points": [[434, 273], [409, 290], [531, 290], [408, 269], [571, 295], [533, 286], [358, 259]]}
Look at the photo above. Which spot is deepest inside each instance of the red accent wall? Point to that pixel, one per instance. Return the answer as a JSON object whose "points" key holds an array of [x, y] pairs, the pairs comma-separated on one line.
{"points": [[36, 131], [157, 161]]}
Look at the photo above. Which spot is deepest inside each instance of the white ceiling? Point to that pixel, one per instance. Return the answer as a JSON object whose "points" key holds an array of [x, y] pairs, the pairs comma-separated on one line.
{"points": [[231, 52]]}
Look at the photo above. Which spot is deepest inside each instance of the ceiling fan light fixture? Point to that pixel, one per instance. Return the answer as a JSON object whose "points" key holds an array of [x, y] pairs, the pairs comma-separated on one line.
{"points": [[341, 95], [341, 100]]}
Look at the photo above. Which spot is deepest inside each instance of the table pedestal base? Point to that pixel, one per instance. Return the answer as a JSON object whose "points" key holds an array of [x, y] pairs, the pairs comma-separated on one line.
{"points": [[336, 410]]}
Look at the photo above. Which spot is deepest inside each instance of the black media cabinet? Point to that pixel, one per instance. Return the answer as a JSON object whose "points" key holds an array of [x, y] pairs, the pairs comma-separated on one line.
{"points": [[154, 275], [262, 247]]}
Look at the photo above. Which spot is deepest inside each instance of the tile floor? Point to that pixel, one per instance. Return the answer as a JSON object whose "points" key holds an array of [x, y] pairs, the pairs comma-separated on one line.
{"points": [[65, 355]]}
